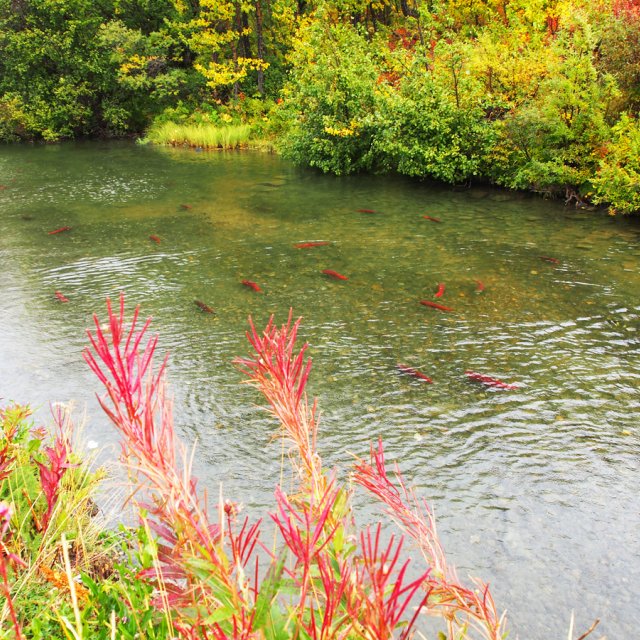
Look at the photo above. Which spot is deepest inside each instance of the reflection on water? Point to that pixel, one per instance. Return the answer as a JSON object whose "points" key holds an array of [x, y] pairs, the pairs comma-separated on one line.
{"points": [[535, 488]]}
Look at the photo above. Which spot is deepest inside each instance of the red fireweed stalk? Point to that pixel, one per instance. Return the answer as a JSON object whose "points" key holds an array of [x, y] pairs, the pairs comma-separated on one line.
{"points": [[381, 609], [341, 592], [310, 518], [51, 474], [281, 375], [460, 607], [306, 530], [6, 558], [134, 391], [193, 569]]}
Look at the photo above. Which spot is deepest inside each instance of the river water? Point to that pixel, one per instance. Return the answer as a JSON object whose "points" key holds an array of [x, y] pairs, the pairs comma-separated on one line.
{"points": [[535, 488]]}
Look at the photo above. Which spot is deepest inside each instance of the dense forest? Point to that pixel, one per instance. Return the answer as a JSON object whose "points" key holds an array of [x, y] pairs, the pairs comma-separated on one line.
{"points": [[527, 94]]}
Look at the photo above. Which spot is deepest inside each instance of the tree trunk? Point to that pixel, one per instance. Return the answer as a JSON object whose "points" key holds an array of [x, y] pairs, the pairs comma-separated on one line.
{"points": [[260, 43]]}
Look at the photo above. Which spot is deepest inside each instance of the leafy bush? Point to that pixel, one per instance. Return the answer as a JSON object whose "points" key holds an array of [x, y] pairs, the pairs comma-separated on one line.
{"points": [[619, 50], [330, 100], [547, 143], [420, 131], [617, 181]]}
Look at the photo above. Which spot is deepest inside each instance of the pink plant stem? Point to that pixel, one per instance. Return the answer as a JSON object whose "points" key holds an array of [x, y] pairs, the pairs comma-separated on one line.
{"points": [[281, 376], [5, 558], [447, 598], [7, 594]]}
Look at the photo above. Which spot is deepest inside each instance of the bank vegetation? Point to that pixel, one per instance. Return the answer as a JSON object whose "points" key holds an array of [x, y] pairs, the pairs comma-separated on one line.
{"points": [[540, 95]]}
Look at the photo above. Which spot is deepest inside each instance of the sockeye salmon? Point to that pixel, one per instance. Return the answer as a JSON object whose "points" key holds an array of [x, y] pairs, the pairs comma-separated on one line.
{"points": [[252, 285], [205, 307], [60, 230], [489, 381], [435, 305], [308, 245], [410, 371], [334, 274]]}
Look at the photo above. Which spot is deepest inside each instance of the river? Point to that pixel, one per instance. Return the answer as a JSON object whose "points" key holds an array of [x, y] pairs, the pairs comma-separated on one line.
{"points": [[535, 488]]}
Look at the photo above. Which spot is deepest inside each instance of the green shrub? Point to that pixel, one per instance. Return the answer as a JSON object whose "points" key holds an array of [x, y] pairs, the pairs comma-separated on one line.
{"points": [[421, 132], [330, 100], [617, 182], [547, 143]]}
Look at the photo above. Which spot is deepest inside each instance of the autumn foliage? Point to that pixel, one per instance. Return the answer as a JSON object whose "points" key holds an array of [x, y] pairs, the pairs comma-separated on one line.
{"points": [[192, 570], [209, 573]]}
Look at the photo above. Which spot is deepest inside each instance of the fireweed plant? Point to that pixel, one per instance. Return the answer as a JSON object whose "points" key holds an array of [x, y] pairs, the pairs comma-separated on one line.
{"points": [[46, 514], [323, 579]]}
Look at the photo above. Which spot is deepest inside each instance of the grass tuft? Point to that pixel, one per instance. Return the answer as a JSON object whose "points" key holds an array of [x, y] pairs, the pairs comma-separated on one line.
{"points": [[205, 136]]}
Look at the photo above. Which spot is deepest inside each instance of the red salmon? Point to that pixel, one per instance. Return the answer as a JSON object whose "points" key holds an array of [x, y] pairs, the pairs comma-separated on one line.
{"points": [[252, 285], [60, 230], [205, 307], [479, 285], [432, 219], [548, 259], [155, 239], [367, 211], [186, 207], [61, 297], [440, 290], [410, 371], [334, 274], [308, 245], [435, 305], [489, 381]]}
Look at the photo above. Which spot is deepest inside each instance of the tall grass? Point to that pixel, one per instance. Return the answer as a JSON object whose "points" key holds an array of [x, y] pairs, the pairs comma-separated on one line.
{"points": [[206, 136]]}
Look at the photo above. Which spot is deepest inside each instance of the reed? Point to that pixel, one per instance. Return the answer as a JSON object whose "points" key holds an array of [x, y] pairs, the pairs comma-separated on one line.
{"points": [[205, 136]]}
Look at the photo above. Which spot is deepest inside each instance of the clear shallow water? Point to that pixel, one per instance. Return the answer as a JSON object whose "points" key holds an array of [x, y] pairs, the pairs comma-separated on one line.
{"points": [[535, 489]]}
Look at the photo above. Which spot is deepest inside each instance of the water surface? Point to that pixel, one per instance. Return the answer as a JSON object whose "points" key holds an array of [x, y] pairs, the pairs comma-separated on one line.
{"points": [[535, 489]]}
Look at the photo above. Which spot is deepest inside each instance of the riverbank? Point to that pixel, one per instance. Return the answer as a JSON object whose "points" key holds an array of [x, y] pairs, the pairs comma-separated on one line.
{"points": [[531, 97]]}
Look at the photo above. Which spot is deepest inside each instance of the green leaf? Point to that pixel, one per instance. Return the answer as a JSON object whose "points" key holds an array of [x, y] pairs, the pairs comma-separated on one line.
{"points": [[219, 615], [269, 589]]}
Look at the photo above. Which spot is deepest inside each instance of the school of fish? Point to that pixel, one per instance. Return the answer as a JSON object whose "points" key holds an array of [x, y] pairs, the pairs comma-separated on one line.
{"points": [[481, 378]]}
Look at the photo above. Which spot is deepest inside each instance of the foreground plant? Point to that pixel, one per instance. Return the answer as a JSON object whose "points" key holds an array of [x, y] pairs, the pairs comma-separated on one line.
{"points": [[188, 573], [325, 579], [462, 608], [46, 513], [200, 561], [6, 560]]}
